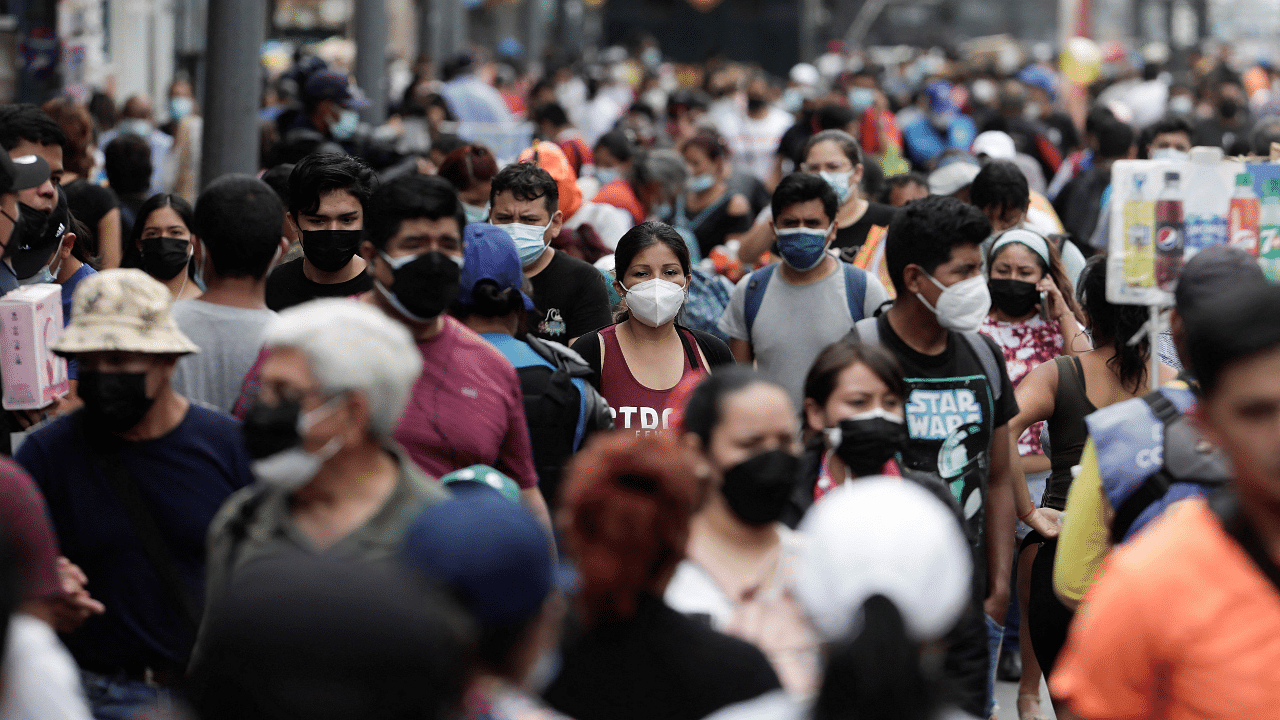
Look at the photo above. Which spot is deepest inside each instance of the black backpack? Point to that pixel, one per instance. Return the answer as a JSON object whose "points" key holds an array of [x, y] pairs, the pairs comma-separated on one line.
{"points": [[551, 407]]}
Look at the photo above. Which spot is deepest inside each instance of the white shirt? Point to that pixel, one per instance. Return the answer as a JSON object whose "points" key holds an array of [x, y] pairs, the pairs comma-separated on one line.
{"points": [[41, 681]]}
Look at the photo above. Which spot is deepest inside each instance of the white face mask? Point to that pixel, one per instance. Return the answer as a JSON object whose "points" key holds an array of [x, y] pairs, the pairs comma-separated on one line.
{"points": [[655, 302], [962, 306], [529, 239], [291, 469], [1170, 153], [840, 183]]}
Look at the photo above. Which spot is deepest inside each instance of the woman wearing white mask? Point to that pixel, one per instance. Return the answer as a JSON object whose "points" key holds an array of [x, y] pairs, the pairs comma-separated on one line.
{"points": [[645, 356], [710, 210], [334, 382]]}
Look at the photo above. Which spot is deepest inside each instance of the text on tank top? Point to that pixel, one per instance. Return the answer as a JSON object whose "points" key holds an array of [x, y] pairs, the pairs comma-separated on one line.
{"points": [[634, 406]]}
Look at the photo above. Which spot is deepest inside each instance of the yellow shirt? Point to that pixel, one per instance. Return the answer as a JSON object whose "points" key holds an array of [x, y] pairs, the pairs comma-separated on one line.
{"points": [[1085, 539]]}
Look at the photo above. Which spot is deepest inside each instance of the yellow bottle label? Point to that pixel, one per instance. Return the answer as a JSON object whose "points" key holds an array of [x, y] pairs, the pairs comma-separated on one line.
{"points": [[1139, 252]]}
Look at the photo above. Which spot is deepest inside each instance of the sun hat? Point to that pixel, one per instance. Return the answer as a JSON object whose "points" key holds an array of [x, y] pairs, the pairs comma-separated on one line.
{"points": [[885, 536], [122, 310]]}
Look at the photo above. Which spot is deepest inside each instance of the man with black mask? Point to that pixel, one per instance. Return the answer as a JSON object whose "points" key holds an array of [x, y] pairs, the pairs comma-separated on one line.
{"points": [[132, 481], [24, 173], [467, 407], [326, 198]]}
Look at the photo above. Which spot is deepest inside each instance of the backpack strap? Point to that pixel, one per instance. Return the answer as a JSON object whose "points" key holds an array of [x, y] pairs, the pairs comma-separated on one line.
{"points": [[1227, 507], [855, 290], [991, 363], [754, 296], [689, 353], [1157, 483]]}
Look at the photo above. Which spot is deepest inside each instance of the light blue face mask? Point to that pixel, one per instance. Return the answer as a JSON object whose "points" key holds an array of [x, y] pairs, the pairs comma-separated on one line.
{"points": [[861, 98], [529, 240], [802, 249], [701, 183], [44, 275], [607, 175], [840, 182], [180, 107], [476, 213], [134, 126], [348, 122]]}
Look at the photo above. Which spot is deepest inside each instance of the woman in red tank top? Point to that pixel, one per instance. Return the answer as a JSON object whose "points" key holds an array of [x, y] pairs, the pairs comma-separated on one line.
{"points": [[643, 358]]}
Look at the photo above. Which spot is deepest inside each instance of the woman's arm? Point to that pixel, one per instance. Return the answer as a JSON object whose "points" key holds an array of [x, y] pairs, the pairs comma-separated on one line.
{"points": [[110, 250], [1074, 341], [1035, 395]]}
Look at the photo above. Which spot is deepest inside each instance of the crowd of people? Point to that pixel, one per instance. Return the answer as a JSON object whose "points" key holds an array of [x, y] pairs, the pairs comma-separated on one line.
{"points": [[742, 398]]}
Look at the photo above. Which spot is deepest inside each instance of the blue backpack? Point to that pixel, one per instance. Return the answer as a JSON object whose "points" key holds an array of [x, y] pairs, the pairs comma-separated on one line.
{"points": [[855, 290]]}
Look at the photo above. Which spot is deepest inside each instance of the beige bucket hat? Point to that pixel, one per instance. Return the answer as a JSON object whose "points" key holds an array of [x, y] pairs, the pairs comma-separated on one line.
{"points": [[122, 310]]}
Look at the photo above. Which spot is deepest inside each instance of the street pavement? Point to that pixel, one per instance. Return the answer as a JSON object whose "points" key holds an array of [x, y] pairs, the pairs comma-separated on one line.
{"points": [[1007, 698]]}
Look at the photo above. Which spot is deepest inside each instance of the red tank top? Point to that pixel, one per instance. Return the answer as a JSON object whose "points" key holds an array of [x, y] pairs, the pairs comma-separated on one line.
{"points": [[635, 407]]}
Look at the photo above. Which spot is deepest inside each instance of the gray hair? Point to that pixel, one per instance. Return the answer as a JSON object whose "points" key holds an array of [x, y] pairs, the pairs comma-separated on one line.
{"points": [[666, 168], [353, 347]]}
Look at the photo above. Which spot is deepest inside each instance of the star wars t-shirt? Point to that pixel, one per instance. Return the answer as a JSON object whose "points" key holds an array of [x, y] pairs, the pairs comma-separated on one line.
{"points": [[951, 411]]}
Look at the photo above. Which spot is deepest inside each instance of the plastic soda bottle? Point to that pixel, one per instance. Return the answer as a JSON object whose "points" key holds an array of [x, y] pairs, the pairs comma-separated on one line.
{"points": [[1243, 218], [1169, 232], [1205, 202], [1139, 226], [1269, 235]]}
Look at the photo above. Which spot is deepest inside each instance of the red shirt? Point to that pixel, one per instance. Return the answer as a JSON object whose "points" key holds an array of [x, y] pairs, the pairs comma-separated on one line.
{"points": [[467, 408], [634, 406]]}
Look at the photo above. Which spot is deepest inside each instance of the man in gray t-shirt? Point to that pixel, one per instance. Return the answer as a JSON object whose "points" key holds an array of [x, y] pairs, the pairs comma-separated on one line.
{"points": [[782, 316], [238, 237]]}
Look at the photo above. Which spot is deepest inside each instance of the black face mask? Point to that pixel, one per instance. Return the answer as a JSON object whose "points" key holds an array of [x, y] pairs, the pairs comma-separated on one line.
{"points": [[330, 250], [269, 429], [757, 488], [25, 240], [1228, 108], [1014, 298], [164, 257], [424, 286], [114, 402], [867, 443], [754, 104]]}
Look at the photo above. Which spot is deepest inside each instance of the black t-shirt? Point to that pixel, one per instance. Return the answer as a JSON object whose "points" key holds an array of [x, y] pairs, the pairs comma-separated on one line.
{"points": [[659, 664], [951, 413], [570, 298], [716, 225], [288, 286], [849, 240], [89, 202]]}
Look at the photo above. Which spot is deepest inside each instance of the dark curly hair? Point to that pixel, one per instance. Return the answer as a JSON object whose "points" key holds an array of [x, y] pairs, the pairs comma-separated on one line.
{"points": [[1114, 325]]}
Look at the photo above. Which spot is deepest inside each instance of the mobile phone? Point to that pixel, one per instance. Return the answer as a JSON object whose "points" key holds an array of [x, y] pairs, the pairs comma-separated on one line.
{"points": [[1044, 306]]}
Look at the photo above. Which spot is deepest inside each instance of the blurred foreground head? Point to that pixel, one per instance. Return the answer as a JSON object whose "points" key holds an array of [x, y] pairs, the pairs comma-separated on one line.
{"points": [[625, 510], [300, 637]]}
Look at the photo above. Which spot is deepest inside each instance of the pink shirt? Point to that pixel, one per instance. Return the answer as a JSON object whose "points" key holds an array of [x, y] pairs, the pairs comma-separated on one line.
{"points": [[467, 408], [1026, 345]]}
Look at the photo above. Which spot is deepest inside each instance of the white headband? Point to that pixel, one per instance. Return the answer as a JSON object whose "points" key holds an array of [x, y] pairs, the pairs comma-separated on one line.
{"points": [[1034, 241]]}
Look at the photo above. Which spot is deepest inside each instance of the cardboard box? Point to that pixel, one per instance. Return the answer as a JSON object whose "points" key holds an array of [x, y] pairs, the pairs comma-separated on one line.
{"points": [[31, 320]]}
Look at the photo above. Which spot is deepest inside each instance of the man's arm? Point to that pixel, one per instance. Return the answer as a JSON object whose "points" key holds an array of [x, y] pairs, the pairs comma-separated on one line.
{"points": [[999, 526], [741, 350]]}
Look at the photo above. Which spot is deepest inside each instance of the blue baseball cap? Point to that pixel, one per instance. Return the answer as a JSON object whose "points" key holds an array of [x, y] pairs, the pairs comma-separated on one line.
{"points": [[940, 101], [1041, 77], [335, 86], [490, 255], [490, 551]]}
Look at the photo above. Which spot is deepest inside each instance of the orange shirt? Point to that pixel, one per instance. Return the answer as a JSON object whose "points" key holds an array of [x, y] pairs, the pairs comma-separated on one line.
{"points": [[1181, 624], [620, 194]]}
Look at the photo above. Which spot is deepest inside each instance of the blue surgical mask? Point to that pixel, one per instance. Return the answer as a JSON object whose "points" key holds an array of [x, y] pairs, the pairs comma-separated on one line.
{"points": [[607, 175], [1171, 154], [180, 107], [840, 182], [476, 213], [861, 98], [792, 100], [802, 248], [133, 126], [701, 183], [45, 275], [529, 240], [348, 121]]}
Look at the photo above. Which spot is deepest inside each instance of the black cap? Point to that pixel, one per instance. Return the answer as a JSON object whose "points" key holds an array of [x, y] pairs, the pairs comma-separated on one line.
{"points": [[38, 237], [21, 173]]}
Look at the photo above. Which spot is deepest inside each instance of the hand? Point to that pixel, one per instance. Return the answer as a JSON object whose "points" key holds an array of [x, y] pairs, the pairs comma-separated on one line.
{"points": [[77, 605], [996, 606], [1046, 521], [1057, 305]]}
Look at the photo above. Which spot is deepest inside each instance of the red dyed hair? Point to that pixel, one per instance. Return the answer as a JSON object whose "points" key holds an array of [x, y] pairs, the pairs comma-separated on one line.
{"points": [[625, 510], [468, 165]]}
